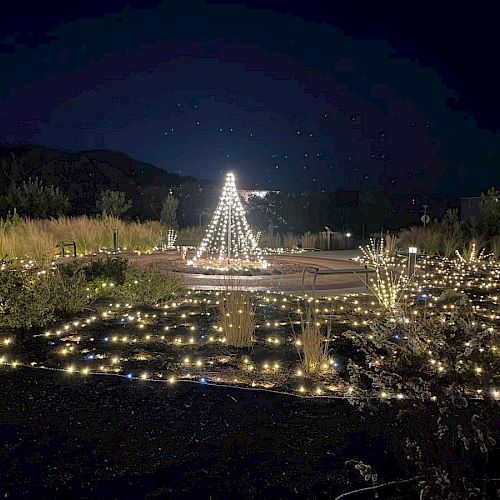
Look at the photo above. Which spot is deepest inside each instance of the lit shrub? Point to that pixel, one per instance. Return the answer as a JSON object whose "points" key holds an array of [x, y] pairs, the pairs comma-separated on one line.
{"points": [[454, 300], [111, 269], [147, 286], [34, 299], [68, 291]]}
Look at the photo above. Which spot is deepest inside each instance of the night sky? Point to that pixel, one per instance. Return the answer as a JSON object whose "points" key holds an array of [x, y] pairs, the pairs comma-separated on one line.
{"points": [[296, 96]]}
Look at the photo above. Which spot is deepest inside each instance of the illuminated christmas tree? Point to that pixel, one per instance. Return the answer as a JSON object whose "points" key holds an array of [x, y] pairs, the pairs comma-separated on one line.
{"points": [[229, 242]]}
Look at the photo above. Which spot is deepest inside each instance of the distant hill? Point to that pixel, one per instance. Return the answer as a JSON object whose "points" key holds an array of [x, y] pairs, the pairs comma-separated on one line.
{"points": [[83, 175]]}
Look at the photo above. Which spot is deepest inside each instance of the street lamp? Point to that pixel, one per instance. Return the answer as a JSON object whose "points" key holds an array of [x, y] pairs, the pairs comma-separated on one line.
{"points": [[348, 236]]}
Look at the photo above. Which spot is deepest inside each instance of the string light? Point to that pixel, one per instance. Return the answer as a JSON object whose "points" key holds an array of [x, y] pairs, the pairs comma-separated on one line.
{"points": [[229, 241]]}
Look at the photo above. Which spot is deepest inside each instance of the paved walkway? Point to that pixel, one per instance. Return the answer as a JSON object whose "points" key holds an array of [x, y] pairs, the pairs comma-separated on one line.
{"points": [[325, 284]]}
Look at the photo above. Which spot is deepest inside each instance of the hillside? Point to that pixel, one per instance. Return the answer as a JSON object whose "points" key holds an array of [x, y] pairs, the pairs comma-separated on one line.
{"points": [[83, 175]]}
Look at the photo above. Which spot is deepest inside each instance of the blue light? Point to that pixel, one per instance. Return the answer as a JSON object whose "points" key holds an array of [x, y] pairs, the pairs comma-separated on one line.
{"points": [[106, 339], [202, 380], [129, 375]]}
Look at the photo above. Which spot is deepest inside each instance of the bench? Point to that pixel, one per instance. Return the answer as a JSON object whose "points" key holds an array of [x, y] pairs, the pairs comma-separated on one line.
{"points": [[65, 244], [316, 271]]}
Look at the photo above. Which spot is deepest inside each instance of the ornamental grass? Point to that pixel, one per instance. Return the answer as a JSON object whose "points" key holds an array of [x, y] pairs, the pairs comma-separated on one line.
{"points": [[237, 317], [313, 341], [38, 239]]}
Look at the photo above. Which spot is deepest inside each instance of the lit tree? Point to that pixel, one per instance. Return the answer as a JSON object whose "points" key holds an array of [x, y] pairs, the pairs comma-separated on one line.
{"points": [[228, 239]]}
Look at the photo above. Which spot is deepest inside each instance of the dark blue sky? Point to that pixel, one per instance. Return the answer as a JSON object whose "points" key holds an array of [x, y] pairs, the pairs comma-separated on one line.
{"points": [[295, 96]]}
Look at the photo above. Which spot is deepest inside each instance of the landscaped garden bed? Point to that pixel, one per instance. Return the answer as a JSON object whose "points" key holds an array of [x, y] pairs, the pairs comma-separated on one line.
{"points": [[419, 355]]}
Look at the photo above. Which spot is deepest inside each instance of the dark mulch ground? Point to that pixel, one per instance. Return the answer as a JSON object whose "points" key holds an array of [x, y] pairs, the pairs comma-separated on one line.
{"points": [[66, 437]]}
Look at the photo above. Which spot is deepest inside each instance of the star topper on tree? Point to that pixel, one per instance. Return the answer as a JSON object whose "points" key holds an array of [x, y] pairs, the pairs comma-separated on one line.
{"points": [[229, 241]]}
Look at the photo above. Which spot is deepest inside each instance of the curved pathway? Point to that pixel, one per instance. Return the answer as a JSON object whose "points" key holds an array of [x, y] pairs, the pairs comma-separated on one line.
{"points": [[325, 284]]}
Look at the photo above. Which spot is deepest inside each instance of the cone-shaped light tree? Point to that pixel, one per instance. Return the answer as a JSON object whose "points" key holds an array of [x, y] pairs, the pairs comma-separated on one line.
{"points": [[229, 241]]}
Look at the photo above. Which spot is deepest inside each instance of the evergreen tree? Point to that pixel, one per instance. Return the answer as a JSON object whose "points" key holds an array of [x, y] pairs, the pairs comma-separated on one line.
{"points": [[489, 217], [32, 199], [112, 203], [168, 216]]}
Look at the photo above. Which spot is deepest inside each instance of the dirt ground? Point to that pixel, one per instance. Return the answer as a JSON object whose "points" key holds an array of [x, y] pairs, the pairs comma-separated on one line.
{"points": [[64, 437]]}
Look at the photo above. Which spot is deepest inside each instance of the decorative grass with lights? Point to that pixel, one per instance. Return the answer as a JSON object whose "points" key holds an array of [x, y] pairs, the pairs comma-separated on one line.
{"points": [[187, 339]]}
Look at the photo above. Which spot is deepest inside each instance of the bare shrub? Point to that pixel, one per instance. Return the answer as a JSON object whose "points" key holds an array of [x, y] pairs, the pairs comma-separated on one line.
{"points": [[388, 286]]}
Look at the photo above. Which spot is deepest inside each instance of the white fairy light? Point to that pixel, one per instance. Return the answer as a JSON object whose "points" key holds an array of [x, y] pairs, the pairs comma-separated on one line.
{"points": [[229, 239]]}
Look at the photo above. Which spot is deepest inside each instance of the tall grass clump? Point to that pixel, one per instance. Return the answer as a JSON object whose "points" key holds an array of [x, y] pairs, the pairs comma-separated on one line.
{"points": [[141, 236], [27, 240], [310, 240], [495, 247], [312, 341], [428, 239], [391, 245], [274, 240], [37, 239], [237, 317], [290, 241]]}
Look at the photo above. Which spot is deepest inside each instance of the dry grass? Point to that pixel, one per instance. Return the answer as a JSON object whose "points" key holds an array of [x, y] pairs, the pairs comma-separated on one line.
{"points": [[471, 254], [495, 247], [391, 245], [428, 239], [313, 344], [268, 240], [37, 239], [310, 240], [237, 317], [450, 245], [290, 241]]}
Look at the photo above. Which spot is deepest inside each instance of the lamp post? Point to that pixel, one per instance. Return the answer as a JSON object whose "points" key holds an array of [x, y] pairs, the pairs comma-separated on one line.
{"points": [[425, 218], [412, 260], [348, 236], [115, 241]]}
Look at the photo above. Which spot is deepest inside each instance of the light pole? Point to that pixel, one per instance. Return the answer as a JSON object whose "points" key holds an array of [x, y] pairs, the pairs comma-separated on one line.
{"points": [[425, 218], [348, 236], [412, 260]]}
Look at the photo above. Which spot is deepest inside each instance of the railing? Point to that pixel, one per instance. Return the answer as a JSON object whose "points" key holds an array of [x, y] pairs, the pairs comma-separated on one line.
{"points": [[316, 271]]}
